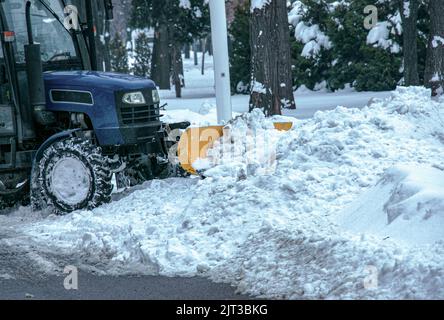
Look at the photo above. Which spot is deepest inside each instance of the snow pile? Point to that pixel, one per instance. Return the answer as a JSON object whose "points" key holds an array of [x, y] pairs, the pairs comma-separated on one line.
{"points": [[406, 205], [206, 115], [276, 235], [248, 147]]}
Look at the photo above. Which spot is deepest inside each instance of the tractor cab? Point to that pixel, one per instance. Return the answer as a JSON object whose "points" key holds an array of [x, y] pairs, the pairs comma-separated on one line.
{"points": [[60, 48], [57, 110], [118, 107]]}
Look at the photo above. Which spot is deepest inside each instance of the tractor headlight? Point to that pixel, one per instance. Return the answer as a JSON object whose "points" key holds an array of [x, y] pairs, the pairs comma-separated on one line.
{"points": [[134, 98], [156, 98]]}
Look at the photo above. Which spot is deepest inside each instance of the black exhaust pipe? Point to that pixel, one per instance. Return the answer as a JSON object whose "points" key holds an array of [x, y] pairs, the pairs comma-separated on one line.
{"points": [[91, 34], [34, 71], [109, 14]]}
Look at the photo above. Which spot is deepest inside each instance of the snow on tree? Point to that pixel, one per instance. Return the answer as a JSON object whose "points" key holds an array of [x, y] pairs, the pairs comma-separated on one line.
{"points": [[240, 51], [271, 80], [332, 48]]}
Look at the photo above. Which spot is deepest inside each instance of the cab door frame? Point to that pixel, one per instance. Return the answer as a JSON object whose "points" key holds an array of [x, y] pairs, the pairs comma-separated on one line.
{"points": [[9, 66]]}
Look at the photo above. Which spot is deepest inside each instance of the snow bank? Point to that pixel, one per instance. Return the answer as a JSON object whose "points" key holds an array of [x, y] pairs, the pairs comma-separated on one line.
{"points": [[407, 205], [248, 147], [207, 115], [276, 234]]}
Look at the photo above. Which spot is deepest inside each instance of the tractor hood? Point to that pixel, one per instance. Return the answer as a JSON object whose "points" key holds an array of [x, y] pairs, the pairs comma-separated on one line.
{"points": [[89, 80]]}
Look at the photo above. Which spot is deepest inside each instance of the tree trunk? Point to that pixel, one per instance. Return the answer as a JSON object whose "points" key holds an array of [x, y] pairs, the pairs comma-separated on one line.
{"points": [[181, 70], [187, 49], [196, 59], [176, 71], [161, 65], [409, 15], [209, 45], [204, 45], [272, 84], [434, 73]]}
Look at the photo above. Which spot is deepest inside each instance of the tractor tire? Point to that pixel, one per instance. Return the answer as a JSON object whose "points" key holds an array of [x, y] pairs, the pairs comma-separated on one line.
{"points": [[72, 175]]}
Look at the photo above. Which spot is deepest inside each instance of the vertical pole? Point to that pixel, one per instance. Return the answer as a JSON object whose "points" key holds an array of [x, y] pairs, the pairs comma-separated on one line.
{"points": [[91, 34], [221, 61]]}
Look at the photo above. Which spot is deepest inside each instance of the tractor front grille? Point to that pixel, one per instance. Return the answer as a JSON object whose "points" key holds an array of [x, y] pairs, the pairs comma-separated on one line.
{"points": [[138, 114]]}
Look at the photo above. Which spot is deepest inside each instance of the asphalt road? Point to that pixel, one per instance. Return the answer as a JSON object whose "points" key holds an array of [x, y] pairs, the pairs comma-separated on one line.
{"points": [[94, 287], [20, 278]]}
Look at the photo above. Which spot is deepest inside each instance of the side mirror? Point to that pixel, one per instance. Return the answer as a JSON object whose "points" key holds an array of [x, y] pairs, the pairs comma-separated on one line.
{"points": [[109, 14]]}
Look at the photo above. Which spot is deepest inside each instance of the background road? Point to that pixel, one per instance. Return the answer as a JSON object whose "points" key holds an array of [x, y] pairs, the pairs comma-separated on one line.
{"points": [[21, 279]]}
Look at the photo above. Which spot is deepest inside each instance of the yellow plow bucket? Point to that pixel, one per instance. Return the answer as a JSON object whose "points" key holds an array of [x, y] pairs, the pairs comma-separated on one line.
{"points": [[195, 142]]}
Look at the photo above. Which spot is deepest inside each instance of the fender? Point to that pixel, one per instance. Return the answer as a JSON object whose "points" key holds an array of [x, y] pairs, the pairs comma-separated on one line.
{"points": [[51, 140]]}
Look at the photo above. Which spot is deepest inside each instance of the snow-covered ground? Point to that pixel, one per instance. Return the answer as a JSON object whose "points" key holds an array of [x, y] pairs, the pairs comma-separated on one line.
{"points": [[351, 208]]}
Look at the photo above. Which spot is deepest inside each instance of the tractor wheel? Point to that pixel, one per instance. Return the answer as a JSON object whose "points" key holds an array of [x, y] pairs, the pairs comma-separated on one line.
{"points": [[72, 175]]}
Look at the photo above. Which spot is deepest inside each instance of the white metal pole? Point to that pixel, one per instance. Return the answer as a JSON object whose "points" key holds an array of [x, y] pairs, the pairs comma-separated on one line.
{"points": [[221, 61]]}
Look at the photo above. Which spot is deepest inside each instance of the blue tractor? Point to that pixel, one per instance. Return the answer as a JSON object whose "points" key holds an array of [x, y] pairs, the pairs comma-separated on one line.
{"points": [[66, 128]]}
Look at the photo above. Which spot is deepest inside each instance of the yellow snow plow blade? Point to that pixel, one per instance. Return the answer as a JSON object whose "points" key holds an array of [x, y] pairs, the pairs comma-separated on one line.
{"points": [[195, 142]]}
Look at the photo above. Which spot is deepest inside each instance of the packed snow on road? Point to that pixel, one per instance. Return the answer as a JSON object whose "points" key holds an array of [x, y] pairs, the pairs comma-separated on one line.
{"points": [[350, 206]]}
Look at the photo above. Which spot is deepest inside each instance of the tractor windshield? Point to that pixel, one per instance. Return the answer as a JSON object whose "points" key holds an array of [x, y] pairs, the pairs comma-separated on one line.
{"points": [[57, 43]]}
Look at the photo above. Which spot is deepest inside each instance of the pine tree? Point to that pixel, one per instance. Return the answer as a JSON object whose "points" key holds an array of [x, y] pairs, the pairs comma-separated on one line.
{"points": [[368, 66], [142, 51], [331, 45], [240, 51], [119, 55]]}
